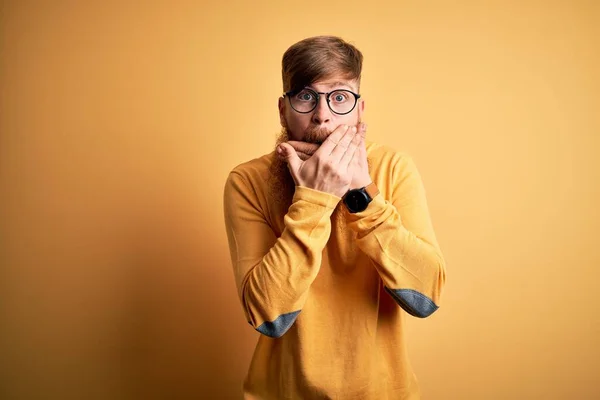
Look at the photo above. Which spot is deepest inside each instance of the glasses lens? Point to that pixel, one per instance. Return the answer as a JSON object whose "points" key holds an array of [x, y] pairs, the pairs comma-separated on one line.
{"points": [[342, 101], [304, 101]]}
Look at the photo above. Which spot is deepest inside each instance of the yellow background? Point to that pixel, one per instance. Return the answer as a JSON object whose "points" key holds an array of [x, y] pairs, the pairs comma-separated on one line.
{"points": [[120, 121]]}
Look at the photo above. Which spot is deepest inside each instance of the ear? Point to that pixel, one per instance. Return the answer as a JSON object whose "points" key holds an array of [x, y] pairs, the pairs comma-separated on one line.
{"points": [[361, 108], [281, 106]]}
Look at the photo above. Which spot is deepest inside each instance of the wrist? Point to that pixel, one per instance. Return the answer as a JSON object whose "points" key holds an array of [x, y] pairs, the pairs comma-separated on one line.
{"points": [[361, 181]]}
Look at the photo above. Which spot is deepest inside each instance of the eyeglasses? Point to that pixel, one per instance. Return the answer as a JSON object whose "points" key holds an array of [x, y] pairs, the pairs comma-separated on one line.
{"points": [[305, 100]]}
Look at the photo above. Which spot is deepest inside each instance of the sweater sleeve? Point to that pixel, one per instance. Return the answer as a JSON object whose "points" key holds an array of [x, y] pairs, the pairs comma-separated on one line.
{"points": [[398, 236], [273, 274]]}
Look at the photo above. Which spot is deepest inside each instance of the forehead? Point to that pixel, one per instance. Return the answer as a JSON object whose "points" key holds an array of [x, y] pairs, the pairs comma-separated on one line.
{"points": [[334, 83]]}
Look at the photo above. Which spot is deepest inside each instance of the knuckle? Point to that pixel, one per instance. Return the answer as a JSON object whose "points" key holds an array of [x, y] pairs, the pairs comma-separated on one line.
{"points": [[328, 165]]}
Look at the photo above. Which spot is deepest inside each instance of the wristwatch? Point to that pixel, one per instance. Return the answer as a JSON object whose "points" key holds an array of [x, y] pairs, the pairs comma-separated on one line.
{"points": [[357, 200]]}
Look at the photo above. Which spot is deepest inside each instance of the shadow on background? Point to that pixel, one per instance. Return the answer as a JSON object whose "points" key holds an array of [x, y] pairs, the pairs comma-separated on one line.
{"points": [[119, 122], [181, 325]]}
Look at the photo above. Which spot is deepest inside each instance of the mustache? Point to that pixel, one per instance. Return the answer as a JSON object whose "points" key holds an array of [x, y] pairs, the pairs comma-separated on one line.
{"points": [[316, 135]]}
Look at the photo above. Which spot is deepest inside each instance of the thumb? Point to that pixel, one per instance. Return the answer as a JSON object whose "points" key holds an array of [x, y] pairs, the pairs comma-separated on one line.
{"points": [[290, 156], [362, 129]]}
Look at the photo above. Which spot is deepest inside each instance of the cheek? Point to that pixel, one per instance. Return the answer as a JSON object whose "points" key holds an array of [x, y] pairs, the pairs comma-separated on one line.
{"points": [[297, 125], [350, 119]]}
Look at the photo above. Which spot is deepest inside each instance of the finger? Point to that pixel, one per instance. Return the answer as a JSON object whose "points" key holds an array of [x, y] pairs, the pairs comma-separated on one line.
{"points": [[290, 156], [362, 151], [332, 140], [356, 164], [304, 147], [362, 129], [351, 153], [363, 148], [303, 156], [342, 147]]}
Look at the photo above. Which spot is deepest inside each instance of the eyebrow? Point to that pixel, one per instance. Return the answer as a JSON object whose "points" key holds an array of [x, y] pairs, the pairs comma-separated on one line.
{"points": [[334, 84]]}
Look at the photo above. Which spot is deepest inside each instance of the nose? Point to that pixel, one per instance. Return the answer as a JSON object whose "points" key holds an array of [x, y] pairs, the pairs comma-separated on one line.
{"points": [[321, 114]]}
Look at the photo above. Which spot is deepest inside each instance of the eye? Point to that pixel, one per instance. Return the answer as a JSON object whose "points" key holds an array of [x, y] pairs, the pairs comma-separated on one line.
{"points": [[305, 96], [339, 97]]}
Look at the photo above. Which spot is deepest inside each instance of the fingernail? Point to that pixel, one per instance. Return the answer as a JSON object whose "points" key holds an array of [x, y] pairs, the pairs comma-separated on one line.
{"points": [[346, 127], [279, 149], [353, 129]]}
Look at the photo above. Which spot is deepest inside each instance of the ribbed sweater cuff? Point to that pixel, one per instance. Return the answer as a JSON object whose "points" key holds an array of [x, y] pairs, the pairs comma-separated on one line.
{"points": [[316, 197]]}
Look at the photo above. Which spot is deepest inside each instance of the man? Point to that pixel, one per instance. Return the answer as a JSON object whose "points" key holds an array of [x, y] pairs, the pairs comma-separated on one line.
{"points": [[331, 242]]}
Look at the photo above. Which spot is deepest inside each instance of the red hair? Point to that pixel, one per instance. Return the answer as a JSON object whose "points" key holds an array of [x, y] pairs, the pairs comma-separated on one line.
{"points": [[317, 58]]}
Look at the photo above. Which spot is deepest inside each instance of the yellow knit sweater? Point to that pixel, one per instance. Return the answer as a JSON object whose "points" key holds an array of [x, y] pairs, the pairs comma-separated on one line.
{"points": [[329, 290]]}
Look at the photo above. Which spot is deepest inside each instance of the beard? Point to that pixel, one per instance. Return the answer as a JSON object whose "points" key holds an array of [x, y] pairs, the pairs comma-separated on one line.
{"points": [[316, 135], [280, 182]]}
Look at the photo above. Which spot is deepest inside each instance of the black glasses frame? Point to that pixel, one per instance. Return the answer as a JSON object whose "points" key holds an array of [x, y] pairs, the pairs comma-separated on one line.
{"points": [[318, 97]]}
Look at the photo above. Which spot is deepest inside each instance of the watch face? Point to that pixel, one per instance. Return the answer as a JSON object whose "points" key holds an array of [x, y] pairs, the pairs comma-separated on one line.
{"points": [[356, 201]]}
